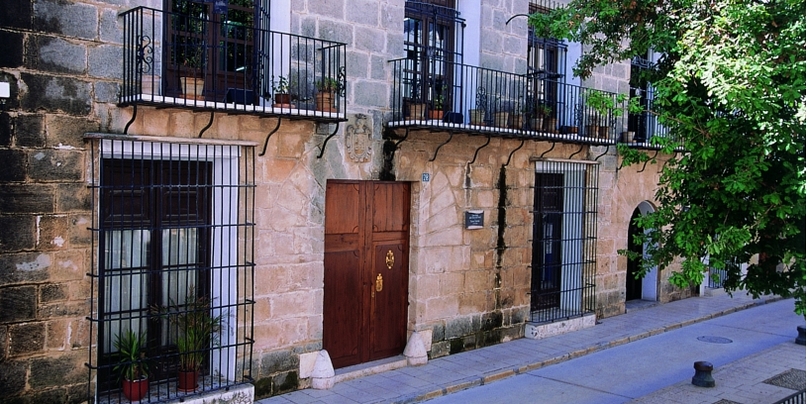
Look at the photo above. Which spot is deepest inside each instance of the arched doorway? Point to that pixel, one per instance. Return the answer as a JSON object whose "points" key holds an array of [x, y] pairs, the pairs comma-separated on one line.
{"points": [[645, 288]]}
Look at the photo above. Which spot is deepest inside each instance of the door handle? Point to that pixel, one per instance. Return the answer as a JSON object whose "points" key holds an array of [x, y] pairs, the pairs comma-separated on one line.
{"points": [[379, 283]]}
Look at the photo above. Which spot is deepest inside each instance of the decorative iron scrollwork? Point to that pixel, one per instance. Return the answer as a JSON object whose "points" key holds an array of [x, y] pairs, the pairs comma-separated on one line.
{"points": [[145, 54]]}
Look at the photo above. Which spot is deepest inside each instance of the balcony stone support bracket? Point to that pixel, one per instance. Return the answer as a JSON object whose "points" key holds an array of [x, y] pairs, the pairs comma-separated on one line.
{"points": [[322, 149], [478, 149], [266, 142], [209, 124], [450, 136]]}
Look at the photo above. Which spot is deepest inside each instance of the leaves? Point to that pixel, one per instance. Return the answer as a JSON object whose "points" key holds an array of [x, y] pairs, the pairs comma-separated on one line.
{"points": [[731, 87]]}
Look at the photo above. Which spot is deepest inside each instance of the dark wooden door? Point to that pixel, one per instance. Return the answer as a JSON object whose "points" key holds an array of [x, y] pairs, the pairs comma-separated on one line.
{"points": [[547, 262], [366, 270]]}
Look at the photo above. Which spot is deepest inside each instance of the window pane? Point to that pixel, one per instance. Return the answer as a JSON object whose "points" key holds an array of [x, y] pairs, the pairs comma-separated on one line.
{"points": [[125, 292], [180, 264]]}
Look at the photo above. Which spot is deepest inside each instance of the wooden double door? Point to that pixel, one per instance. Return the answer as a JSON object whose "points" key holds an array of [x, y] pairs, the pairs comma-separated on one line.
{"points": [[366, 270]]}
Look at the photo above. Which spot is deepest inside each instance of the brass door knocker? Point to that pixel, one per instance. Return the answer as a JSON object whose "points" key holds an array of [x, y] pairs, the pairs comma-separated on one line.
{"points": [[390, 260]]}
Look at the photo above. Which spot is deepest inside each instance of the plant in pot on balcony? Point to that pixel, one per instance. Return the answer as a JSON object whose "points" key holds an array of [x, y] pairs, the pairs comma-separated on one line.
{"points": [[524, 110], [328, 89], [197, 329], [477, 115], [132, 365], [501, 113], [437, 107], [280, 90], [605, 108], [545, 119], [193, 82]]}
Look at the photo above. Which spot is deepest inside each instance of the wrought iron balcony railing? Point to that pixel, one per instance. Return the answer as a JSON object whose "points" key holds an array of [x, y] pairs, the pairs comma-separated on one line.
{"points": [[642, 127], [489, 102], [198, 59]]}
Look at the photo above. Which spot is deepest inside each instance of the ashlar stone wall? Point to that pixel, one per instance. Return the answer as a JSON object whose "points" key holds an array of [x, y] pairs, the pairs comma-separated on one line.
{"points": [[62, 61]]}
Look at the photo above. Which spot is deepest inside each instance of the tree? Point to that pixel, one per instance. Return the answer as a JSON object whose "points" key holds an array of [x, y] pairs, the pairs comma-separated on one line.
{"points": [[730, 86]]}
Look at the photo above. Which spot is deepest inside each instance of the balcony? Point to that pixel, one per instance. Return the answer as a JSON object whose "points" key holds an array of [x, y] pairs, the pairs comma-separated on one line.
{"points": [[479, 101], [200, 60], [642, 127]]}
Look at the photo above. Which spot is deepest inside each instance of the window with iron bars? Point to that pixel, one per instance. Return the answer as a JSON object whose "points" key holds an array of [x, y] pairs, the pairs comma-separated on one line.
{"points": [[173, 235], [564, 240]]}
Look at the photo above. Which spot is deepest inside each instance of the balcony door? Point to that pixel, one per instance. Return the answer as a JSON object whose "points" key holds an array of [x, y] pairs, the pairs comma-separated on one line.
{"points": [[433, 46], [214, 41]]}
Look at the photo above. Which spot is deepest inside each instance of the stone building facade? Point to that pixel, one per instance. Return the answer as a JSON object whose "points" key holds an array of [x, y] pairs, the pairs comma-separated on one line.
{"points": [[464, 284]]}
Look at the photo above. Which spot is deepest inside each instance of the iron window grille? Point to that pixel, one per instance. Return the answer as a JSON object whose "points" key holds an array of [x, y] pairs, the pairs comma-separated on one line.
{"points": [[173, 225], [564, 240]]}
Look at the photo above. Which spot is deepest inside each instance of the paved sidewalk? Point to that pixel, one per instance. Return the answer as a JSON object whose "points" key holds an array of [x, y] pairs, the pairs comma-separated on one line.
{"points": [[456, 372], [766, 377]]}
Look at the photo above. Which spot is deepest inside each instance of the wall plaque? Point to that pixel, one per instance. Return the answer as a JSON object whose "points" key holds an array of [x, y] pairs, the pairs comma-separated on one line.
{"points": [[474, 219]]}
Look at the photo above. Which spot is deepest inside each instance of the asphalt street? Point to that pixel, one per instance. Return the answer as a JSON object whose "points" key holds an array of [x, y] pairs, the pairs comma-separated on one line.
{"points": [[633, 370]]}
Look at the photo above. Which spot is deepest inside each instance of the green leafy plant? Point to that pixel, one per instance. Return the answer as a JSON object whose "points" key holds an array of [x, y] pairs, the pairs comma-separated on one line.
{"points": [[131, 356], [197, 328], [281, 85], [730, 88], [335, 85], [543, 110], [194, 56], [438, 101]]}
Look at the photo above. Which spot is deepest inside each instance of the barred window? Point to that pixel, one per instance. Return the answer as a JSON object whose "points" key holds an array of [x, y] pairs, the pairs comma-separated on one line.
{"points": [[173, 239], [564, 239]]}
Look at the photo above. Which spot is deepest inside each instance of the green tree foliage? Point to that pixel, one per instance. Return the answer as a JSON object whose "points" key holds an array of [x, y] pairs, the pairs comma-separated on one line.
{"points": [[730, 86]]}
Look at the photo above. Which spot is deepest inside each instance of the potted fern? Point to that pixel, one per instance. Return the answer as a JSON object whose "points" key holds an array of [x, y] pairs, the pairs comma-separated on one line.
{"points": [[132, 365]]}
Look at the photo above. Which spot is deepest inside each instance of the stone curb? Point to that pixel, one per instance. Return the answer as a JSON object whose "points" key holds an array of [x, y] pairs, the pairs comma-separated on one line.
{"points": [[505, 373]]}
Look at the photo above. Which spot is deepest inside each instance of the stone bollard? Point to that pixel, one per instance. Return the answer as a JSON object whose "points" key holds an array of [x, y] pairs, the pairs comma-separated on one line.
{"points": [[800, 338], [703, 374]]}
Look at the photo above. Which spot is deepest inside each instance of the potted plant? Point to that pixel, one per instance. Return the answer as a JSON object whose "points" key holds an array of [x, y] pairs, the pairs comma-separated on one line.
{"points": [[520, 117], [327, 90], [477, 115], [437, 107], [280, 90], [132, 365], [193, 82], [593, 125], [197, 329], [501, 115], [548, 121], [604, 107]]}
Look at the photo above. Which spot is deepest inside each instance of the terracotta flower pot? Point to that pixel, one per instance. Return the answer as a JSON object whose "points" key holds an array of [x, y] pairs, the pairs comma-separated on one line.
{"points": [[501, 119], [135, 390], [436, 114], [416, 111], [551, 125], [476, 116], [187, 380], [324, 101], [537, 124], [192, 88], [282, 100]]}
